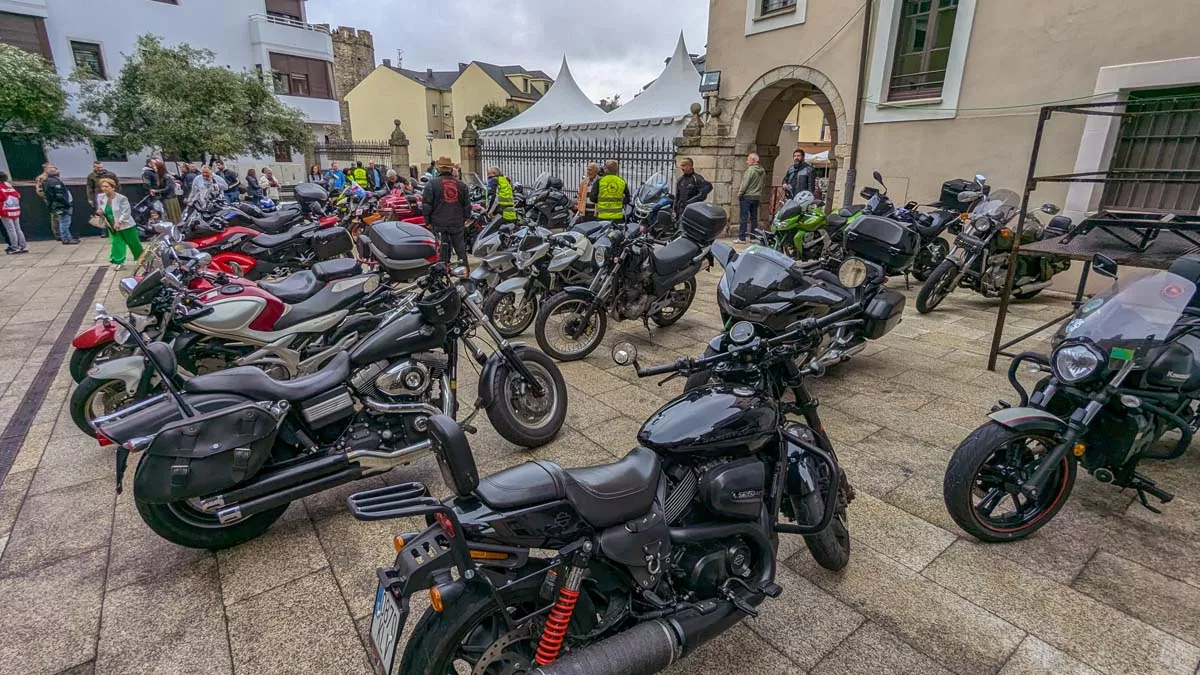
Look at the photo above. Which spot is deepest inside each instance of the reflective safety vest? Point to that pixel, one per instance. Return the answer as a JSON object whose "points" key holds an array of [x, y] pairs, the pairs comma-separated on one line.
{"points": [[610, 198], [504, 199], [360, 177]]}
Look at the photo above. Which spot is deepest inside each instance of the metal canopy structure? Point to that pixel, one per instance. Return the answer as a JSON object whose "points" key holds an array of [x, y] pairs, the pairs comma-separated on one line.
{"points": [[1140, 203]]}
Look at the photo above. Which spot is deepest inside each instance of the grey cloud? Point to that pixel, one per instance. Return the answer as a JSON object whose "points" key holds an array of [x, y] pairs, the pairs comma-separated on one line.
{"points": [[613, 46]]}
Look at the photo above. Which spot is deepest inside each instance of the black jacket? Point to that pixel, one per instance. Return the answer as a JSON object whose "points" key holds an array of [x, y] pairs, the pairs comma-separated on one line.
{"points": [[231, 178], [186, 178], [58, 197], [800, 178], [691, 188], [445, 204], [253, 188], [157, 189]]}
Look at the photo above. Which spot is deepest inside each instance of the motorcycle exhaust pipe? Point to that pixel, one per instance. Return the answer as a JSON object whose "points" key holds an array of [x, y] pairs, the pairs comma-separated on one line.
{"points": [[647, 648], [232, 514]]}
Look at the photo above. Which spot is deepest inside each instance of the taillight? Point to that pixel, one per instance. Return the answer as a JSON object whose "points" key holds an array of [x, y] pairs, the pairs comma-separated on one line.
{"points": [[433, 258], [444, 520], [103, 439]]}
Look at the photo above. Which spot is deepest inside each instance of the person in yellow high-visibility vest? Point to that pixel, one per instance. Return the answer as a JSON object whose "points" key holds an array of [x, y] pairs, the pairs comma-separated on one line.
{"points": [[360, 176], [610, 194], [500, 195]]}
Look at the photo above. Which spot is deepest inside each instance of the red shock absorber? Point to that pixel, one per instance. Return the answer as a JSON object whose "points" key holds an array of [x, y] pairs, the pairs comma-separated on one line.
{"points": [[555, 632]]}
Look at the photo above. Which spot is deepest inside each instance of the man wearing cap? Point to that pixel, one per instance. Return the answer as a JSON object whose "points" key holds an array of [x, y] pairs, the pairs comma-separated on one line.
{"points": [[446, 203]]}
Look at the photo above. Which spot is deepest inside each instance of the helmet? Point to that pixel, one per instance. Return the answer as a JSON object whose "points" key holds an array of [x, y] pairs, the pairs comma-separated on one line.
{"points": [[266, 204], [440, 306]]}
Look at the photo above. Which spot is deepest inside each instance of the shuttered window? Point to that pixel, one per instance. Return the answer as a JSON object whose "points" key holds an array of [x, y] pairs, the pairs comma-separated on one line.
{"points": [[1157, 153], [25, 32], [292, 9], [298, 76]]}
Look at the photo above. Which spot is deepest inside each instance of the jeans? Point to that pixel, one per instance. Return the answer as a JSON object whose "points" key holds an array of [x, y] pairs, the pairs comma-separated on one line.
{"points": [[12, 232], [64, 224], [747, 217], [455, 241], [232, 196]]}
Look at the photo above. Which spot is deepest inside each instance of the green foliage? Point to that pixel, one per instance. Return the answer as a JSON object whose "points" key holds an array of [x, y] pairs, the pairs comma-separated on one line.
{"points": [[33, 101], [610, 104], [493, 114], [173, 99]]}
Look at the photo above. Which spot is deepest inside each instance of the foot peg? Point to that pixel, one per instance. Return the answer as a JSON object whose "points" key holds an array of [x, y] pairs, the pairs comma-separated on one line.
{"points": [[772, 590], [1145, 486]]}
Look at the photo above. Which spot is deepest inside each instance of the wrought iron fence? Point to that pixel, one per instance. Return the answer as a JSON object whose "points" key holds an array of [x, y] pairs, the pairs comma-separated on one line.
{"points": [[523, 160], [346, 153]]}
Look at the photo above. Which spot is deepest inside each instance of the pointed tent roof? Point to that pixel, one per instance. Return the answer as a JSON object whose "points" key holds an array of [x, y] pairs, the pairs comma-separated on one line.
{"points": [[563, 103], [669, 96]]}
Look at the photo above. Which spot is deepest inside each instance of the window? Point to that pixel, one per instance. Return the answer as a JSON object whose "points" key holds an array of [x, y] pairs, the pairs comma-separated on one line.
{"points": [[283, 151], [922, 49], [25, 32], [766, 7], [168, 2], [287, 9], [106, 150], [88, 59], [449, 134], [824, 130], [25, 156], [298, 76], [435, 110]]}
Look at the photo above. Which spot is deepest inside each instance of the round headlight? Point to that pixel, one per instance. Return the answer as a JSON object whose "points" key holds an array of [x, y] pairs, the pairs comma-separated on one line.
{"points": [[600, 254], [852, 273], [741, 333], [1076, 362]]}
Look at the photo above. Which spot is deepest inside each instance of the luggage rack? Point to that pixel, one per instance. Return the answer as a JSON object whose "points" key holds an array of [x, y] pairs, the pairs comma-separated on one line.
{"points": [[1144, 227]]}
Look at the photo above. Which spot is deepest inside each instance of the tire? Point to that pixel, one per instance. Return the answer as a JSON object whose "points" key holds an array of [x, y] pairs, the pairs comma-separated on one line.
{"points": [[959, 486], [556, 305], [527, 421], [829, 547], [676, 312], [943, 249], [82, 360], [933, 291], [85, 407], [1027, 295], [511, 330], [180, 524]]}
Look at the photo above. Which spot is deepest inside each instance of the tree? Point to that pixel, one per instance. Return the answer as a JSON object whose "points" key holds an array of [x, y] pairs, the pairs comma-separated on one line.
{"points": [[610, 104], [175, 100], [494, 113], [33, 101]]}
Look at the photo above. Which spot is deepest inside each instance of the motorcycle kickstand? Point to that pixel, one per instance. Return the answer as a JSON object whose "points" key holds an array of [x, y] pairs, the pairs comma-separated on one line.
{"points": [[646, 323]]}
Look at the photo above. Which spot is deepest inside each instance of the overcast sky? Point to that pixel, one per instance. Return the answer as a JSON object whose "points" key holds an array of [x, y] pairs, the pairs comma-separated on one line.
{"points": [[613, 46]]}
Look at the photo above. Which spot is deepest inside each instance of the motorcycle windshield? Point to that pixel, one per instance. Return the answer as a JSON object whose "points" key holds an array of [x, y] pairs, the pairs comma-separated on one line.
{"points": [[1133, 317], [794, 207], [654, 189], [542, 181], [999, 206], [757, 273]]}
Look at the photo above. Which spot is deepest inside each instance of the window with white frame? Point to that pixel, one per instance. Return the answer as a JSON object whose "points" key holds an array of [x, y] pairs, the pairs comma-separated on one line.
{"points": [[923, 41]]}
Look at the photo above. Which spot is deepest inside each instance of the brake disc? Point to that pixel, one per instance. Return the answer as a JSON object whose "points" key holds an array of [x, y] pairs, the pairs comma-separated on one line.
{"points": [[508, 663]]}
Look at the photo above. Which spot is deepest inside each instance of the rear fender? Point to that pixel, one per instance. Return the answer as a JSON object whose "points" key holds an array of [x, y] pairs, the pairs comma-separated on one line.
{"points": [[1028, 419], [148, 421], [127, 369], [100, 333], [494, 362], [517, 286]]}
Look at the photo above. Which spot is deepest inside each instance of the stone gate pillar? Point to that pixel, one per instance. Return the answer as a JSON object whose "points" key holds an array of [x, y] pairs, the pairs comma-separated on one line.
{"points": [[399, 144], [468, 147], [712, 156]]}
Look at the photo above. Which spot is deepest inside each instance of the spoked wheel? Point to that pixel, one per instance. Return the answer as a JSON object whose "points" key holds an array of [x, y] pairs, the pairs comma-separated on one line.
{"points": [[982, 487], [935, 254], [94, 398], [939, 285], [519, 415], [509, 318], [681, 298], [83, 360], [562, 332]]}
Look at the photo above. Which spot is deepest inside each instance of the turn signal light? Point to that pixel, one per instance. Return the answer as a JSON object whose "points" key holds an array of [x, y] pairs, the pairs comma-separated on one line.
{"points": [[435, 599], [1006, 233], [104, 440], [399, 543], [1078, 450], [488, 555]]}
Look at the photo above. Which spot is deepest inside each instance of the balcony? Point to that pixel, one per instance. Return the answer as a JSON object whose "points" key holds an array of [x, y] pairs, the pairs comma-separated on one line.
{"points": [[289, 36], [26, 7], [316, 110]]}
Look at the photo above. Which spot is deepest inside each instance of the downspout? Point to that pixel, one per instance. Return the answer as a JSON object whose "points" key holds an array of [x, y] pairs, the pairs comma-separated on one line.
{"points": [[852, 165]]}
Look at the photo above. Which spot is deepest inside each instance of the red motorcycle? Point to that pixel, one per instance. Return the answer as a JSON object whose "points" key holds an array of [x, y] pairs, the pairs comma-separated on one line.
{"points": [[246, 252]]}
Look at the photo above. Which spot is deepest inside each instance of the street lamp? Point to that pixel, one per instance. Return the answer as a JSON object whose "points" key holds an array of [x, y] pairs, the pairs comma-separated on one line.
{"points": [[429, 141]]}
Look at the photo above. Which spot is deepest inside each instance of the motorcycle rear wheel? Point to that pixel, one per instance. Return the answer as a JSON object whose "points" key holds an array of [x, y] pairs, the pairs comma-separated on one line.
{"points": [[930, 261], [180, 523], [937, 287], [93, 398], [675, 311]]}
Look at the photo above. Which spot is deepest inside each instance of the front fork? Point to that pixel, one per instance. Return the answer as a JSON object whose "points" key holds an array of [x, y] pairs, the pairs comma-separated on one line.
{"points": [[502, 345]]}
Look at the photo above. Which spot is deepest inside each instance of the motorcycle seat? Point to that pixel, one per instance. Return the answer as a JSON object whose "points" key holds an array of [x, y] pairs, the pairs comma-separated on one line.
{"points": [[273, 240], [338, 268], [592, 229], [674, 257], [603, 495], [256, 384], [294, 288], [328, 299], [274, 223], [929, 229]]}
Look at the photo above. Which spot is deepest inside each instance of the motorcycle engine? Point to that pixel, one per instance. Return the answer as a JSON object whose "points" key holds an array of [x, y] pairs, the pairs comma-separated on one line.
{"points": [[410, 378], [632, 303]]}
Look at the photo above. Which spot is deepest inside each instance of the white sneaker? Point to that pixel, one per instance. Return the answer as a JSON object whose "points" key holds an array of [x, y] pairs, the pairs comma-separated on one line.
{"points": [[118, 267]]}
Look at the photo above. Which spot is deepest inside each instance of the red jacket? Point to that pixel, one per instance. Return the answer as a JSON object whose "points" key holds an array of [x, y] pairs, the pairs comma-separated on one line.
{"points": [[10, 201]]}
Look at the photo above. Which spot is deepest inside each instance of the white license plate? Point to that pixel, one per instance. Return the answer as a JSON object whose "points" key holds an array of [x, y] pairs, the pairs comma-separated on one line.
{"points": [[385, 631], [358, 212]]}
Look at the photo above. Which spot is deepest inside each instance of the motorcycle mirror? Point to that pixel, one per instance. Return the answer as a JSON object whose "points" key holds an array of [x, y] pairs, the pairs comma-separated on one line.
{"points": [[459, 271], [877, 176], [1049, 208], [1104, 266], [172, 280], [624, 353], [967, 196], [980, 178], [203, 260]]}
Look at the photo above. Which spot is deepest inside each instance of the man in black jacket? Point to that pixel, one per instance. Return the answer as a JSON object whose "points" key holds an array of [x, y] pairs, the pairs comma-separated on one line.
{"points": [[800, 176], [445, 204], [691, 188], [233, 193], [61, 203]]}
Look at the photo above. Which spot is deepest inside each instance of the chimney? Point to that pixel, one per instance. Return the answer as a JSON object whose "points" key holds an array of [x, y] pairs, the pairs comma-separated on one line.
{"points": [[387, 63], [429, 74]]}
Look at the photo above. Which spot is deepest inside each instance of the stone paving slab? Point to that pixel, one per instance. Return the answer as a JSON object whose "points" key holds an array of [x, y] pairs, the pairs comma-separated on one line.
{"points": [[1107, 587]]}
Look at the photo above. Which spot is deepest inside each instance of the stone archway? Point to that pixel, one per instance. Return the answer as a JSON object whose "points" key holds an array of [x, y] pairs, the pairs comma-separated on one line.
{"points": [[761, 111]]}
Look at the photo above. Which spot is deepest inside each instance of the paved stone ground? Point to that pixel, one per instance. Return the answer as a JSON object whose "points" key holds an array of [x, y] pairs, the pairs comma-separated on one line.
{"points": [[1107, 587]]}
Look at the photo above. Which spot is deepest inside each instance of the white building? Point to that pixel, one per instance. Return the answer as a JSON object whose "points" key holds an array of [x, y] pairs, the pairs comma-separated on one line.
{"points": [[252, 35]]}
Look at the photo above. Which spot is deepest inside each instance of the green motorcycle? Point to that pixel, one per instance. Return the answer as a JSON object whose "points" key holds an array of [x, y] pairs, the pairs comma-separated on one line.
{"points": [[798, 229]]}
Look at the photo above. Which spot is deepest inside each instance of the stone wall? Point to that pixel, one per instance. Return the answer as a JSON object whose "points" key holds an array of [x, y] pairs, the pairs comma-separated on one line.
{"points": [[353, 60]]}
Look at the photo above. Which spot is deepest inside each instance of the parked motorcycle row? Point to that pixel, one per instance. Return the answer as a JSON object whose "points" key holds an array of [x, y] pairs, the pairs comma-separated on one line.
{"points": [[234, 395]]}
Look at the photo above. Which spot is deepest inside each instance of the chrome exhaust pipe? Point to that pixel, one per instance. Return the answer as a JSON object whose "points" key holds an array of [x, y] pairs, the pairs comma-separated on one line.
{"points": [[372, 460]]}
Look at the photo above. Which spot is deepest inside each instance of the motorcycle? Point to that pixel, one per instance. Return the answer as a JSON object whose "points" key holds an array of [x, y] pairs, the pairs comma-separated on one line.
{"points": [[635, 278], [979, 259], [542, 265], [547, 205], [654, 554], [220, 456], [1122, 374], [652, 206], [797, 229]]}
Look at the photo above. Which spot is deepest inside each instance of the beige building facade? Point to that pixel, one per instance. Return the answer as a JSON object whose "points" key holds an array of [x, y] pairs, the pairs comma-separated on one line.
{"points": [[952, 87]]}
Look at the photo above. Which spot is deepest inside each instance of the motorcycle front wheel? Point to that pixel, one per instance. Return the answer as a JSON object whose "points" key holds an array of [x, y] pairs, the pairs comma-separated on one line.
{"points": [[518, 415], [560, 329], [829, 547], [510, 320], [682, 295], [937, 286], [930, 258]]}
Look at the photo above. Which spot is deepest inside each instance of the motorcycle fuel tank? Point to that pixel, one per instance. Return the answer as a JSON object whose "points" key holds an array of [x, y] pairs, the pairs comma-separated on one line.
{"points": [[407, 334], [714, 420]]}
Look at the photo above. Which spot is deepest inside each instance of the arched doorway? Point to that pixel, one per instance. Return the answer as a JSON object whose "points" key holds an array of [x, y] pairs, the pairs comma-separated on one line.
{"points": [[765, 107]]}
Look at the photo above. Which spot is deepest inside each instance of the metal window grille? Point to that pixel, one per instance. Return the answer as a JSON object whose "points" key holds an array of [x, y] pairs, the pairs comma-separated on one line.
{"points": [[347, 152], [1157, 145]]}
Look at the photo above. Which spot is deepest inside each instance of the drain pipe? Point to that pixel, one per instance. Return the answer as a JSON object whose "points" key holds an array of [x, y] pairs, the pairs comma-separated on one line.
{"points": [[861, 97]]}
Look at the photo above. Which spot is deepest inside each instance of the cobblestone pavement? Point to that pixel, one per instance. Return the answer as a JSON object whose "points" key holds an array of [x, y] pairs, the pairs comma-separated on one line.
{"points": [[1107, 587]]}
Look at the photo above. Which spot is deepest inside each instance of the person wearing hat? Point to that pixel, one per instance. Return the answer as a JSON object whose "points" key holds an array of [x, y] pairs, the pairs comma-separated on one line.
{"points": [[446, 203]]}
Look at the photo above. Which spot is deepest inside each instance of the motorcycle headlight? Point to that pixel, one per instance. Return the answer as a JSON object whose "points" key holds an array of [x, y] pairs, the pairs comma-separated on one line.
{"points": [[600, 255], [1076, 363]]}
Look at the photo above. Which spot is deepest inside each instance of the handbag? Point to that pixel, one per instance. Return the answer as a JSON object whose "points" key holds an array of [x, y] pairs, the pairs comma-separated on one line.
{"points": [[98, 221]]}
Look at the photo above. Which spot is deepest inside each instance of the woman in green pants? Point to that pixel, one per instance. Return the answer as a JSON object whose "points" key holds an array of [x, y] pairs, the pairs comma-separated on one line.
{"points": [[115, 209]]}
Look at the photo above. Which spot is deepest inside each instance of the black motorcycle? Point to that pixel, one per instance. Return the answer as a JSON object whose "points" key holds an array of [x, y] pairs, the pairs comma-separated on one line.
{"points": [[655, 554], [1124, 373], [636, 279], [547, 205], [222, 455]]}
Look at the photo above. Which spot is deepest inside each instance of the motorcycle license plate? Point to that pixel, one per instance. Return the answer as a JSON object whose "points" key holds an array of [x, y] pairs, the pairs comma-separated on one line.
{"points": [[385, 631], [358, 212]]}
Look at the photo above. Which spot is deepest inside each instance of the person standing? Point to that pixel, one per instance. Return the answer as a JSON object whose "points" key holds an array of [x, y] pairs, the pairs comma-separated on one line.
{"points": [[254, 191], [206, 187], [314, 174], [610, 193], [445, 205], [10, 214], [114, 208], [749, 195], [230, 177], [187, 176], [395, 181], [800, 176], [170, 192], [93, 180], [500, 196], [271, 187], [376, 175], [61, 204], [360, 176], [154, 188], [334, 177], [691, 186], [584, 206]]}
